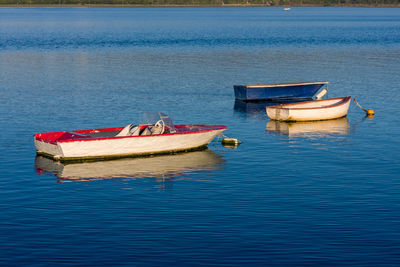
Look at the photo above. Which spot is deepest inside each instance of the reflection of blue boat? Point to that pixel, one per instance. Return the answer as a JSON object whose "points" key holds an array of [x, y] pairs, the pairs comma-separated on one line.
{"points": [[277, 91], [259, 106]]}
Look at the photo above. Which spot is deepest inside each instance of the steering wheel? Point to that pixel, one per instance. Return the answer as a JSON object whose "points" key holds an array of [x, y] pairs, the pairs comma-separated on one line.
{"points": [[160, 124]]}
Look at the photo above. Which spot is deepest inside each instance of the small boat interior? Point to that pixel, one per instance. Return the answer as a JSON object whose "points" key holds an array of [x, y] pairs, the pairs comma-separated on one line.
{"points": [[284, 84], [129, 130]]}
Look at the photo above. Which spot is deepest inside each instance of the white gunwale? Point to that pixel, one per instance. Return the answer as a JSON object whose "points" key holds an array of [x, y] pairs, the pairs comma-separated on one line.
{"points": [[287, 106], [282, 84]]}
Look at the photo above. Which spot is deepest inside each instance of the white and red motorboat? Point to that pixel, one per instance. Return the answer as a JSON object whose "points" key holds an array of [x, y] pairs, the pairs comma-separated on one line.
{"points": [[131, 140]]}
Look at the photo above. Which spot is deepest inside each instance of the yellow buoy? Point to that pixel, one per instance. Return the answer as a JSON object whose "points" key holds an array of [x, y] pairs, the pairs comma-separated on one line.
{"points": [[370, 112]]}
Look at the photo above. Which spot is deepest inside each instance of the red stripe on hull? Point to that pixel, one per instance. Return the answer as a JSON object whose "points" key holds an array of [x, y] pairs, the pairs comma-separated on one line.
{"points": [[52, 137]]}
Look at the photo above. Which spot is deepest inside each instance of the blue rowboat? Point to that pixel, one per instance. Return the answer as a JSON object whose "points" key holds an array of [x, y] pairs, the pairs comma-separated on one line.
{"points": [[279, 91]]}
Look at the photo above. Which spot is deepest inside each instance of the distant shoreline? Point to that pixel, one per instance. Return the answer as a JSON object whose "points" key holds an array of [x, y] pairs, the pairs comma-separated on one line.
{"points": [[225, 5]]}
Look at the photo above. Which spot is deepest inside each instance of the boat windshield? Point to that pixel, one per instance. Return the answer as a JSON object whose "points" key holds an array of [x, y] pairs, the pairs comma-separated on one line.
{"points": [[160, 118]]}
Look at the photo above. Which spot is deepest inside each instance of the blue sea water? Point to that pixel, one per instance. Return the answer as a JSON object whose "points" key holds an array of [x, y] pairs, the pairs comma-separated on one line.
{"points": [[320, 194]]}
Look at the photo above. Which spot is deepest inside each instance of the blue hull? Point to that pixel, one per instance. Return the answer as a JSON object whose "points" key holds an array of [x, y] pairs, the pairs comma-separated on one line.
{"points": [[276, 91]]}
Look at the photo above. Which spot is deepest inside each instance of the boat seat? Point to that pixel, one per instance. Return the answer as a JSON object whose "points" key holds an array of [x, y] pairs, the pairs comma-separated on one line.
{"points": [[157, 129], [134, 130], [130, 130], [152, 130], [146, 131]]}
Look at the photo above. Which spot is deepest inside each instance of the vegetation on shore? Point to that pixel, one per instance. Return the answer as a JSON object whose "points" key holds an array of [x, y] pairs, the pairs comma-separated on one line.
{"points": [[395, 3]]}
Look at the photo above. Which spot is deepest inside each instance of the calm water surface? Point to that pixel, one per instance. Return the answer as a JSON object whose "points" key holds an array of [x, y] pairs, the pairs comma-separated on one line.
{"points": [[323, 193]]}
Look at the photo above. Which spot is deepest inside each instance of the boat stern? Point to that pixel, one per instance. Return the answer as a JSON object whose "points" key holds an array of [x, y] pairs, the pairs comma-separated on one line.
{"points": [[278, 114], [240, 92], [46, 147]]}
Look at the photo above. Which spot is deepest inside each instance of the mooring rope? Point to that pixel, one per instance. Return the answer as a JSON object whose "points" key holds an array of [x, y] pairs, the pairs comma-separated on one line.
{"points": [[369, 112]]}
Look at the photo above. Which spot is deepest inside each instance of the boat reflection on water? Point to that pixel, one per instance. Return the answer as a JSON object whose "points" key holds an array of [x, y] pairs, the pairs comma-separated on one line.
{"points": [[254, 107], [310, 129], [250, 107], [160, 167]]}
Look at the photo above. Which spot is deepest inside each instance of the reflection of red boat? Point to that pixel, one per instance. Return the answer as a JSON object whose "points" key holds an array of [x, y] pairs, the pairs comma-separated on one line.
{"points": [[161, 137], [163, 166]]}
